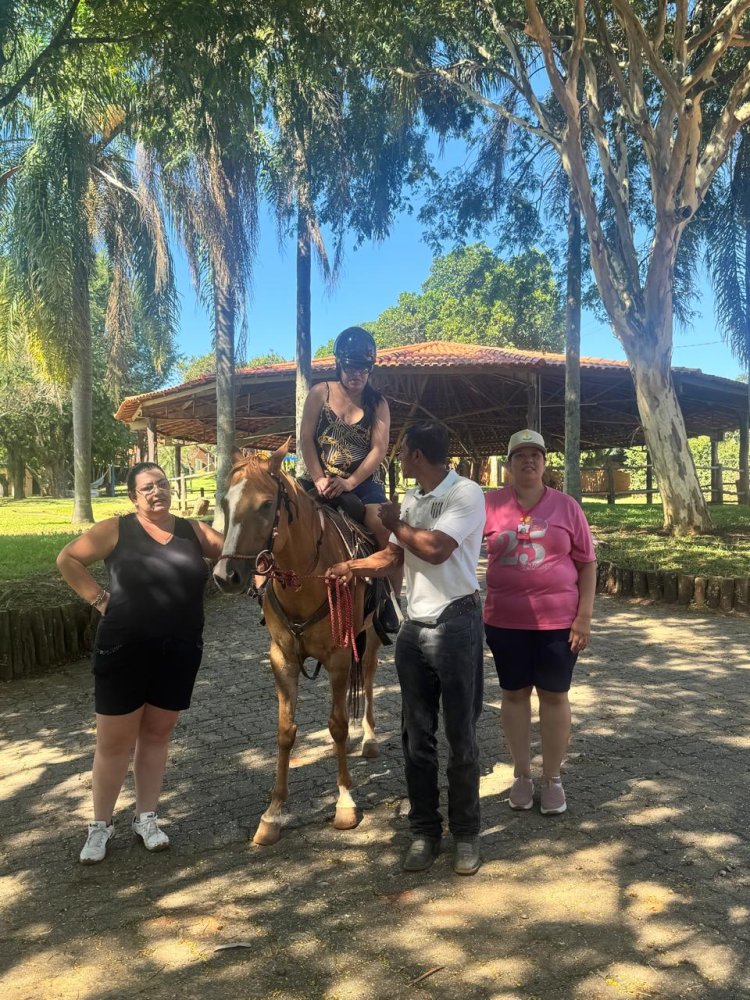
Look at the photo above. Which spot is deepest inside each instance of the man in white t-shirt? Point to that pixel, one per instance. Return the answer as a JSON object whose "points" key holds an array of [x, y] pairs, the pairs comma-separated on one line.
{"points": [[436, 535]]}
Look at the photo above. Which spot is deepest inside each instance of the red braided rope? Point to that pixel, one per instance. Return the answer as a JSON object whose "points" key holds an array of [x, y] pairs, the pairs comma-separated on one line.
{"points": [[340, 604], [342, 614]]}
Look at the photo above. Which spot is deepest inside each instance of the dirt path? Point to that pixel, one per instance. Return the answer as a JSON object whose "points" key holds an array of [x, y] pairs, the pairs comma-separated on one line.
{"points": [[640, 890]]}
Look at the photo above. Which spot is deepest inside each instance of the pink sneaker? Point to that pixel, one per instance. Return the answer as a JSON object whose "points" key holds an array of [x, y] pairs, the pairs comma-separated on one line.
{"points": [[553, 797], [521, 793]]}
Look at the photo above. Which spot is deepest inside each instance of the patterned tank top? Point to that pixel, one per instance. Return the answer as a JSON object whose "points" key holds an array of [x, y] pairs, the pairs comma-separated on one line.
{"points": [[343, 447]]}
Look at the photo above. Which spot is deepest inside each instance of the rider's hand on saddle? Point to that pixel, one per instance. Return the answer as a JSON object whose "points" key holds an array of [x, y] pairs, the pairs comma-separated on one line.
{"points": [[389, 514], [321, 485], [340, 571], [337, 486]]}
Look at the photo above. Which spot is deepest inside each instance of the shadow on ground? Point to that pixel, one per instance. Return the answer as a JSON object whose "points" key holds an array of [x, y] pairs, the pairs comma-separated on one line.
{"points": [[640, 890]]}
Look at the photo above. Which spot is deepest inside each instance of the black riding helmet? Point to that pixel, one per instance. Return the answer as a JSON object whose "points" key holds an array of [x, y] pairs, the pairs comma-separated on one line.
{"points": [[355, 346]]}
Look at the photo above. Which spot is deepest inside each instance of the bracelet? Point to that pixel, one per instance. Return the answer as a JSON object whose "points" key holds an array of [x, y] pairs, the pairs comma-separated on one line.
{"points": [[100, 598]]}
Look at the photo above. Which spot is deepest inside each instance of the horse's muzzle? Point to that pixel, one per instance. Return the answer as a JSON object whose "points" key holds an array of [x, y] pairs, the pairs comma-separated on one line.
{"points": [[232, 576]]}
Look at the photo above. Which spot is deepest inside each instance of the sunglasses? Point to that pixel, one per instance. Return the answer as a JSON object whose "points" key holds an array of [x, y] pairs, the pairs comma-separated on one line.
{"points": [[353, 368]]}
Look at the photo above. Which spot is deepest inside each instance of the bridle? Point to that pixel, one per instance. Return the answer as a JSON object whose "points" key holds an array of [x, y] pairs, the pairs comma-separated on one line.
{"points": [[265, 560]]}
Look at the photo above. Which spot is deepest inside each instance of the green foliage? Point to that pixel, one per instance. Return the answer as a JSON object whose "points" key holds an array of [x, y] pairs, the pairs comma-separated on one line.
{"points": [[472, 296], [190, 367]]}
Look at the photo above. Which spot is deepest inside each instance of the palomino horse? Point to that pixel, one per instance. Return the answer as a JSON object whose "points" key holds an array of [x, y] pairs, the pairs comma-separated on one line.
{"points": [[268, 515]]}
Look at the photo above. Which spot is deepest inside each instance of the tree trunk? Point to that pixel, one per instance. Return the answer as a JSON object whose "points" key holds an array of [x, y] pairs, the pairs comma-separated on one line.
{"points": [[304, 317], [81, 399], [685, 509], [573, 354], [17, 474], [224, 317]]}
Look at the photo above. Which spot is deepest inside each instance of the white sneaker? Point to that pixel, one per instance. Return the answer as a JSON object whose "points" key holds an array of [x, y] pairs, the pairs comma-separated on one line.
{"points": [[95, 848], [146, 826]]}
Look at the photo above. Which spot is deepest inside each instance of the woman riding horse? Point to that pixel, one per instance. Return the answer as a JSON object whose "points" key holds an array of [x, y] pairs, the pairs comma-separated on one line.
{"points": [[268, 515]]}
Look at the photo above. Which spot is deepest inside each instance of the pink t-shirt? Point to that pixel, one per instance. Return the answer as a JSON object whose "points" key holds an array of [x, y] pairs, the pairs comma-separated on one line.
{"points": [[532, 579]]}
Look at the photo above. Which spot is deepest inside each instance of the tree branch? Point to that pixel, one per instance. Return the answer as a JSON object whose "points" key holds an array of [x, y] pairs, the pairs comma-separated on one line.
{"points": [[521, 81], [679, 55], [705, 68], [636, 30], [735, 114], [717, 23], [33, 68]]}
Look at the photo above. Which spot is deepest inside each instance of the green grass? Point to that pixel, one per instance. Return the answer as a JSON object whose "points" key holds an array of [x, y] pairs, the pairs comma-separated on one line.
{"points": [[631, 536], [33, 531]]}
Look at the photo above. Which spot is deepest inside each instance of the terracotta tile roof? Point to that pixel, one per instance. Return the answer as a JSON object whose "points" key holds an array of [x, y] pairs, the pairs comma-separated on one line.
{"points": [[431, 354]]}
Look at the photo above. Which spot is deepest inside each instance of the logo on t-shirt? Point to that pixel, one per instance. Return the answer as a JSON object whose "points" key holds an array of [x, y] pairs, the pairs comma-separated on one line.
{"points": [[522, 547], [436, 509]]}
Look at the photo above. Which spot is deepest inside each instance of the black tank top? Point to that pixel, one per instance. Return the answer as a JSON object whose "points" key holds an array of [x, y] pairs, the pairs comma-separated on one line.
{"points": [[156, 590], [343, 447]]}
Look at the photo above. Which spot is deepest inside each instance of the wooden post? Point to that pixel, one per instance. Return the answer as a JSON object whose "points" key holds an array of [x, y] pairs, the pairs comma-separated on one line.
{"points": [[392, 479], [717, 485], [151, 448], [649, 479], [532, 410], [609, 469], [743, 485], [181, 498]]}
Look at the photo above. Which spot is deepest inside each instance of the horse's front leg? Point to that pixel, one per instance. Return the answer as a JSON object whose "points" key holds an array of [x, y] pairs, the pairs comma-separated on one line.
{"points": [[370, 746], [286, 674], [339, 667]]}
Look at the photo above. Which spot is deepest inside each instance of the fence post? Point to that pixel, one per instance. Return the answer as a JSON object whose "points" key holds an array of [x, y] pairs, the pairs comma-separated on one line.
{"points": [[743, 484], [609, 469], [649, 478], [717, 477]]}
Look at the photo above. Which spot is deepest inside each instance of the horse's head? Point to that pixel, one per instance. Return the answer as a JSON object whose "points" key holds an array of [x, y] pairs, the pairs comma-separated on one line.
{"points": [[253, 507]]}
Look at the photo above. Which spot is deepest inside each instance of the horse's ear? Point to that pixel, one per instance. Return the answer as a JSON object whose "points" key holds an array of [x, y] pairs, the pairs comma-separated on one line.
{"points": [[237, 457], [274, 462]]}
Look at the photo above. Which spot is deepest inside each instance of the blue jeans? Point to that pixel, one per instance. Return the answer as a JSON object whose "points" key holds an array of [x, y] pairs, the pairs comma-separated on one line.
{"points": [[445, 660]]}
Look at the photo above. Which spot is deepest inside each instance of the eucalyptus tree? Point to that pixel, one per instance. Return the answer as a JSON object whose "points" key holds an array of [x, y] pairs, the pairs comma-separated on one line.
{"points": [[663, 65], [72, 189]]}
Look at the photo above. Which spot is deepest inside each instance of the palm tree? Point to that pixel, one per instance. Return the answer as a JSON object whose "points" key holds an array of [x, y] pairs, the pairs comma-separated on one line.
{"points": [[73, 189], [726, 225], [205, 167]]}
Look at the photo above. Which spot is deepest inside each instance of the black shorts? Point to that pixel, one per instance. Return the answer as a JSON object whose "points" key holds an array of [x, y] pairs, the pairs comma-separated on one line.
{"points": [[540, 658], [158, 672]]}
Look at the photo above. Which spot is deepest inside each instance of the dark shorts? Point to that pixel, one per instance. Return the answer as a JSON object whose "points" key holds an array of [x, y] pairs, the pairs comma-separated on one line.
{"points": [[532, 658], [158, 672], [368, 491]]}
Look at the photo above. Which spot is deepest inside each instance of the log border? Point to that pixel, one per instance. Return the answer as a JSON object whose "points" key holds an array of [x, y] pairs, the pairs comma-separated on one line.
{"points": [[36, 640], [719, 593]]}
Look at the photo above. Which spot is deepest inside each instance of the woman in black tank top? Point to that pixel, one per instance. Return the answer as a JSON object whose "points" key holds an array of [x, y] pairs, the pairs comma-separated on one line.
{"points": [[344, 434], [148, 644]]}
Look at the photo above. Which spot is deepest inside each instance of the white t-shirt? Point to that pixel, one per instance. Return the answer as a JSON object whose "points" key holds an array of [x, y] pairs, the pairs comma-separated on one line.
{"points": [[455, 507]]}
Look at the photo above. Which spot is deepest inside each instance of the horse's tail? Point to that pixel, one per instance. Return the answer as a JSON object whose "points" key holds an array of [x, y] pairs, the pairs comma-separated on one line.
{"points": [[356, 686]]}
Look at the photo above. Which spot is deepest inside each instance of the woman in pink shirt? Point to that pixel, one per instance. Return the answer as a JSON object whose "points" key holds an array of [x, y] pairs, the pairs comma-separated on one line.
{"points": [[541, 577]]}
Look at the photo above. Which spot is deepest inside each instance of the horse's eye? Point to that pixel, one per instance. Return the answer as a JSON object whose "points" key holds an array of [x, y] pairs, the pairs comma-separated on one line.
{"points": [[266, 505]]}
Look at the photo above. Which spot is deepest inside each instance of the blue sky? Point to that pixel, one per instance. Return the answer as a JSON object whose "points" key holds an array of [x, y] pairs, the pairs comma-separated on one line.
{"points": [[371, 279]]}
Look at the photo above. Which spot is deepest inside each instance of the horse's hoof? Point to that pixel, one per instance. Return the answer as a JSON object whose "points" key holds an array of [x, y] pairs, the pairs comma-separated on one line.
{"points": [[370, 749], [346, 818], [267, 833]]}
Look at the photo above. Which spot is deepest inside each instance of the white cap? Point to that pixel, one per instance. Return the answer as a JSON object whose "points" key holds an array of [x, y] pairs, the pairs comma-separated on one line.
{"points": [[526, 439]]}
